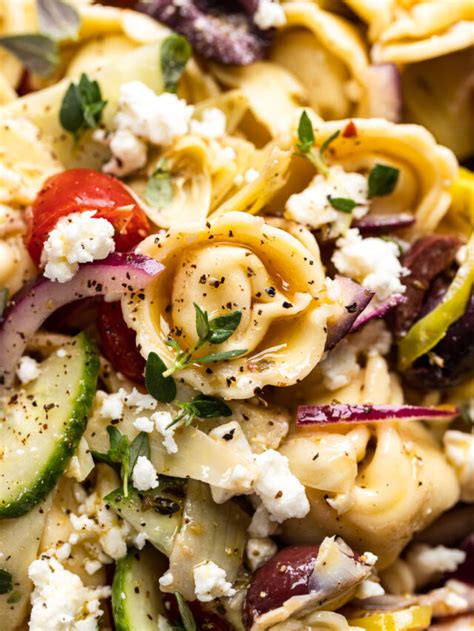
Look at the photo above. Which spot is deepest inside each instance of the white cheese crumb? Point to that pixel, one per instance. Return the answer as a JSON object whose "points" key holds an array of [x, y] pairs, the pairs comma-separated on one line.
{"points": [[140, 539], [113, 542], [28, 369], [340, 366], [138, 400], [373, 262], [269, 14], [162, 420], [459, 450], [112, 406], [281, 492], [312, 206], [210, 582], [212, 124], [259, 550], [60, 600], [92, 566], [144, 424], [428, 563], [129, 153], [144, 476], [369, 588], [76, 238], [166, 580], [369, 558]]}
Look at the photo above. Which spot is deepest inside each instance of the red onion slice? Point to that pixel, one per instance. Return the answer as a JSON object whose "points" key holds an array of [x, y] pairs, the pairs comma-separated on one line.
{"points": [[378, 311], [342, 413], [381, 224], [30, 307], [356, 299]]}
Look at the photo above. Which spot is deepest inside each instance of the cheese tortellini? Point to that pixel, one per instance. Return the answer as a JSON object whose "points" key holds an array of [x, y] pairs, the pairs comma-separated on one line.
{"points": [[237, 262]]}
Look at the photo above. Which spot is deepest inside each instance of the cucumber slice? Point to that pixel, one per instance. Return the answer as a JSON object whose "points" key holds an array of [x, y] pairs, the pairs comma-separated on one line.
{"points": [[42, 423], [150, 512], [137, 601]]}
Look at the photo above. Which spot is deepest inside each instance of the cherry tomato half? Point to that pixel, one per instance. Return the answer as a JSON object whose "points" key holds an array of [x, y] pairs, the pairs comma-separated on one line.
{"points": [[118, 342], [78, 190]]}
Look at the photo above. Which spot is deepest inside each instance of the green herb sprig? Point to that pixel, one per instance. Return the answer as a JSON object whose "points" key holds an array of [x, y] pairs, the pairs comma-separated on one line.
{"points": [[202, 407], [159, 187], [37, 52], [174, 55], [382, 180], [82, 107], [187, 618], [6, 582], [123, 454], [305, 144]]}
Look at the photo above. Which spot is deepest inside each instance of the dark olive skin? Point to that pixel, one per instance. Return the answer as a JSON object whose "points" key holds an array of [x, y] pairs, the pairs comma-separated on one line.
{"points": [[452, 359], [427, 258], [222, 30], [285, 575]]}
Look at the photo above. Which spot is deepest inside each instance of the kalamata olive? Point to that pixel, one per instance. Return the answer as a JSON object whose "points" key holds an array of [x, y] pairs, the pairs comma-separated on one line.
{"points": [[427, 258], [223, 30], [285, 575], [452, 359]]}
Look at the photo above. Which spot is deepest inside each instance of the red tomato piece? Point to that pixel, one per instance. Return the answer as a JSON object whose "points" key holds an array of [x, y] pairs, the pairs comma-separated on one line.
{"points": [[78, 190], [118, 342]]}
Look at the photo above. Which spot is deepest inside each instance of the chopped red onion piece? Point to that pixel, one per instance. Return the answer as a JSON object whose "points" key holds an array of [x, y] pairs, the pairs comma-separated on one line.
{"points": [[378, 311], [343, 413], [381, 224], [29, 308]]}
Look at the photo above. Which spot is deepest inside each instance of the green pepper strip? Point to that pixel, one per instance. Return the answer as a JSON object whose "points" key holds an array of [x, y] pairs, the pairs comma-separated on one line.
{"points": [[428, 331]]}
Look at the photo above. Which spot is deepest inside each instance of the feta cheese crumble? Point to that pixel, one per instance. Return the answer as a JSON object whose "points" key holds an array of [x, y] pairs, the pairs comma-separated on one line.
{"points": [[213, 123], [259, 550], [60, 600], [312, 206], [144, 476], [281, 492], [77, 238], [210, 582], [144, 424], [129, 153], [28, 369], [269, 14], [112, 406], [428, 563], [373, 262], [161, 421]]}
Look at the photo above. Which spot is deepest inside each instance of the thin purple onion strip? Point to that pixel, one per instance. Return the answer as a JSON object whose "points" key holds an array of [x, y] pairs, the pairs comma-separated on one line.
{"points": [[378, 311], [342, 413], [27, 311]]}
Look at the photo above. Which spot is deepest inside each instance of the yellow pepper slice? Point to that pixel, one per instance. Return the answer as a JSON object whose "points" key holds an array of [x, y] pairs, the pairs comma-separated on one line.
{"points": [[428, 331], [413, 618]]}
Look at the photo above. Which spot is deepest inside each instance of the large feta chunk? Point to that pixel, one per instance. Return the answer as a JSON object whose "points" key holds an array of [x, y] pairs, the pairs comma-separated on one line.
{"points": [[429, 563], [312, 206], [269, 14], [210, 582], [144, 476], [373, 262], [162, 420], [281, 492], [28, 369], [60, 601], [77, 238], [259, 550]]}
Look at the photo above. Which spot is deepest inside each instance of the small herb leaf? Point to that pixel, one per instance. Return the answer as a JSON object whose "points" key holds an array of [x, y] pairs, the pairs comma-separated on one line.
{"points": [[38, 53], [159, 187], [382, 180], [58, 19], [323, 148], [82, 106], [6, 582], [344, 205], [138, 447], [210, 407], [202, 322], [218, 357], [222, 327], [175, 52], [187, 617], [161, 388], [305, 133]]}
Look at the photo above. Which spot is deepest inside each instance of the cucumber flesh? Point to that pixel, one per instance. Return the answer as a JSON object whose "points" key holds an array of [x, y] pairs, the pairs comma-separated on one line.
{"points": [[142, 511], [137, 601], [41, 425]]}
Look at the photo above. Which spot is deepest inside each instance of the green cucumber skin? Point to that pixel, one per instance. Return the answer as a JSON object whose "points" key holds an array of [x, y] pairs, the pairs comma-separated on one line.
{"points": [[119, 611], [57, 463]]}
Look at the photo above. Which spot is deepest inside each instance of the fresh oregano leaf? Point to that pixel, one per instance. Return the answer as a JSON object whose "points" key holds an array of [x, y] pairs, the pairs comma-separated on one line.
{"points": [[6, 582], [58, 19], [343, 204], [305, 133], [222, 327], [218, 357], [187, 617], [38, 53], [138, 447], [202, 322], [161, 388], [159, 187], [323, 148], [209, 407], [174, 54], [82, 106], [382, 180]]}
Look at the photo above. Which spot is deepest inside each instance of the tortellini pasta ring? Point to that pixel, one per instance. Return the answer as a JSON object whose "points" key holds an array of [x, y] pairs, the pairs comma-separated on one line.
{"points": [[237, 262]]}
